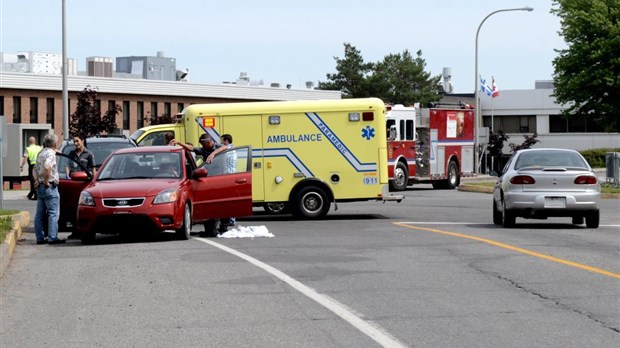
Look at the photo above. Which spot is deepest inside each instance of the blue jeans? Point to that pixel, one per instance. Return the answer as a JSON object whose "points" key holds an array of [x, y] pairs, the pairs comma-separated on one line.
{"points": [[48, 203]]}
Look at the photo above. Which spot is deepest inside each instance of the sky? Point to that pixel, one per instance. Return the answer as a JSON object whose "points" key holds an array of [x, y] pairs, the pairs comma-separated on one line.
{"points": [[294, 41]]}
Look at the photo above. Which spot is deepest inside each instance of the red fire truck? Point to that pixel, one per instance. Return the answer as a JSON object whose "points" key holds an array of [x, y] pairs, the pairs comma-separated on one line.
{"points": [[430, 145]]}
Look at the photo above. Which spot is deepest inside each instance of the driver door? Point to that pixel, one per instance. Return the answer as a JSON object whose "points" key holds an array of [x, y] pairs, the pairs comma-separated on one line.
{"points": [[226, 191], [69, 190]]}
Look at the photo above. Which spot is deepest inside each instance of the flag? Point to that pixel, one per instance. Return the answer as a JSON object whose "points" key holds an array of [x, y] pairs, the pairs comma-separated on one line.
{"points": [[484, 88], [495, 92]]}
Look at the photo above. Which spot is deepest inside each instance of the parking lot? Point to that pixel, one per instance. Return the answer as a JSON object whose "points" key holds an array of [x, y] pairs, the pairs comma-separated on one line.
{"points": [[430, 271]]}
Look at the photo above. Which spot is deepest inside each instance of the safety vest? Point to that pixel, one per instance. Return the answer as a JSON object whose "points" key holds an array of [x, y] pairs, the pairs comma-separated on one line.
{"points": [[33, 151]]}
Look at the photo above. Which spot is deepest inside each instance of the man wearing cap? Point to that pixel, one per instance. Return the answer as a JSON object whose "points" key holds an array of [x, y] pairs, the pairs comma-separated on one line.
{"points": [[30, 156]]}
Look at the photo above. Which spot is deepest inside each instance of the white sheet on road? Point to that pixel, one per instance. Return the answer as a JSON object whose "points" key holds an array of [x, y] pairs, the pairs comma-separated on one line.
{"points": [[247, 232]]}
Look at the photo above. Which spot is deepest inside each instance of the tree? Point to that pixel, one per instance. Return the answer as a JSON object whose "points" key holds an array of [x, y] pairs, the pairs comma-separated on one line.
{"points": [[87, 116], [587, 73], [402, 80], [351, 78], [496, 148], [398, 79], [161, 119], [528, 142]]}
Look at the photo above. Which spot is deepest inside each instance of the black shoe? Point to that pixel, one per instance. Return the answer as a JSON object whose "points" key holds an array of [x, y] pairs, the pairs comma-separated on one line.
{"points": [[44, 241], [57, 241]]}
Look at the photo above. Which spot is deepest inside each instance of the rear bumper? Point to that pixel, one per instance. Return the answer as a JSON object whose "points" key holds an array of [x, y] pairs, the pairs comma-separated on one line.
{"points": [[534, 202], [386, 195]]}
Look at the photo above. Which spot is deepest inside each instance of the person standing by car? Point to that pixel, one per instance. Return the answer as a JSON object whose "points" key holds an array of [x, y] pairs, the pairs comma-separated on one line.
{"points": [[30, 156], [46, 178], [231, 167], [207, 146], [82, 155]]}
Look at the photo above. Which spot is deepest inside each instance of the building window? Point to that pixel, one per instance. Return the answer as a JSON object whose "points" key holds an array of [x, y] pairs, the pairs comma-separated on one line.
{"points": [[98, 105], [180, 107], [154, 110], [1, 105], [34, 110], [49, 113], [140, 112], [511, 124], [575, 124], [126, 114], [111, 105], [167, 109], [17, 109]]}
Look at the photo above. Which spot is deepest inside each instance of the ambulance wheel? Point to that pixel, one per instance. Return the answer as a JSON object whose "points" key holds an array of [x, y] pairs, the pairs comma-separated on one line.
{"points": [[275, 208], [401, 177], [310, 202]]}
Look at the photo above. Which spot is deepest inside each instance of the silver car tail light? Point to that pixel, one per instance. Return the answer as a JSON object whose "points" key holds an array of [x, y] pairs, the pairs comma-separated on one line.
{"points": [[586, 180], [522, 180]]}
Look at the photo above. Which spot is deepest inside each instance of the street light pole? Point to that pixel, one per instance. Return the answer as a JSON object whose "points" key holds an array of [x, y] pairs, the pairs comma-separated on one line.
{"points": [[477, 88], [65, 88]]}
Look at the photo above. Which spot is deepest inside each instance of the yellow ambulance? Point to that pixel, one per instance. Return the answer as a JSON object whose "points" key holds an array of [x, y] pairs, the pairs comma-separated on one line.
{"points": [[306, 154]]}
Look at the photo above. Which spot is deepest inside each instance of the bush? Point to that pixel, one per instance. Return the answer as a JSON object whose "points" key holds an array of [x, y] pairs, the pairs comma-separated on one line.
{"points": [[596, 157]]}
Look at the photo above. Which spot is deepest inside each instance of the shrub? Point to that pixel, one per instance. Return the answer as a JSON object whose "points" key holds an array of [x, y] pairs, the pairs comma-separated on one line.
{"points": [[596, 157]]}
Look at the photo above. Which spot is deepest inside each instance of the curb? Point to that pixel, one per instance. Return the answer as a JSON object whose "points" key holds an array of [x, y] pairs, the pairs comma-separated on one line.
{"points": [[486, 189], [8, 246]]}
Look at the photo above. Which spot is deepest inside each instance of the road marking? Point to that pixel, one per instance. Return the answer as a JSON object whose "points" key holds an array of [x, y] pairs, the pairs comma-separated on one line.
{"points": [[514, 248], [464, 223], [369, 329]]}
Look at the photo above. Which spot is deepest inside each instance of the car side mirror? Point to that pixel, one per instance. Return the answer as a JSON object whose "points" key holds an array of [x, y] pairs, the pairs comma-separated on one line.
{"points": [[200, 173], [80, 176]]}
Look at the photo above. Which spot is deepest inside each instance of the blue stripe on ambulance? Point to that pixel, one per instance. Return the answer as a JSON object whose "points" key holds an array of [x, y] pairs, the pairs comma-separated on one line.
{"points": [[211, 131], [288, 154], [344, 151]]}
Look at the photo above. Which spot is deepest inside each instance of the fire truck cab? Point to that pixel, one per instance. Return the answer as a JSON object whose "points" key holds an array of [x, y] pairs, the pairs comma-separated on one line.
{"points": [[429, 145]]}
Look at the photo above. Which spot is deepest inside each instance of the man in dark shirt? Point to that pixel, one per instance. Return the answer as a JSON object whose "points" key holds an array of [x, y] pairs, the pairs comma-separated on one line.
{"points": [[207, 146]]}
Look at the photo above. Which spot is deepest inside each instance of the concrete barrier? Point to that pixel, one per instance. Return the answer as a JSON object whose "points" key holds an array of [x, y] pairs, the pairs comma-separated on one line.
{"points": [[7, 247]]}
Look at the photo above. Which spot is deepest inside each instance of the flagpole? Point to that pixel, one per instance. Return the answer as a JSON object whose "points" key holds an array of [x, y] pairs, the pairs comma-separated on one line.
{"points": [[492, 132]]}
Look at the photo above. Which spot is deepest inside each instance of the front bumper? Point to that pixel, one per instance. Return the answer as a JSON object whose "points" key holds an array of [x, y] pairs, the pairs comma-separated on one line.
{"points": [[112, 220]]}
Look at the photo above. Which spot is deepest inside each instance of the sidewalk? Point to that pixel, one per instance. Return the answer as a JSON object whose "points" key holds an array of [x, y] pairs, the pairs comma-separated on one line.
{"points": [[13, 195]]}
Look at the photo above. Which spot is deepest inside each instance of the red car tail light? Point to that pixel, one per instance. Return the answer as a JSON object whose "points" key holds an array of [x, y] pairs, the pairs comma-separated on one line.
{"points": [[586, 180], [522, 180]]}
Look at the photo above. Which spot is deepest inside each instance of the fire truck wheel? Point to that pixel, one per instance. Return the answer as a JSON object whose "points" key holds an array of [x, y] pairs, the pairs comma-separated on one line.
{"points": [[401, 177], [310, 203], [453, 178]]}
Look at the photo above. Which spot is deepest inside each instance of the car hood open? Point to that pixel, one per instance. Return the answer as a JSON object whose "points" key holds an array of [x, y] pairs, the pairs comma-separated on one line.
{"points": [[130, 188]]}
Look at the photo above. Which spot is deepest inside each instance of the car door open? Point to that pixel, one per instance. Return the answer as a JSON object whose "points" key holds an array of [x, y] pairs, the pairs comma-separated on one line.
{"points": [[227, 189]]}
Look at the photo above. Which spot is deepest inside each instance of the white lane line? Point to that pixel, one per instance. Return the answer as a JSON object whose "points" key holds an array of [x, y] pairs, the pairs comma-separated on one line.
{"points": [[369, 329], [463, 223]]}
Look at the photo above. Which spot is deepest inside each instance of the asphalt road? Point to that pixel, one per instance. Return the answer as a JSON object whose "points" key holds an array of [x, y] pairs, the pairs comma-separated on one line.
{"points": [[432, 271]]}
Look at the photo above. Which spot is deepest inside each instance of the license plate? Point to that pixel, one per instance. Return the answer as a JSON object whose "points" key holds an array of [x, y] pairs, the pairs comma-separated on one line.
{"points": [[555, 202]]}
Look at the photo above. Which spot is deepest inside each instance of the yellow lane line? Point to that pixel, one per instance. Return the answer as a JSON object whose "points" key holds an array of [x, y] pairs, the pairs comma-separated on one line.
{"points": [[514, 248]]}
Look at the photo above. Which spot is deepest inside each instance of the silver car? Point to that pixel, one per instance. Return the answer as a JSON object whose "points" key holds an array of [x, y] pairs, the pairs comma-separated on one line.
{"points": [[540, 183]]}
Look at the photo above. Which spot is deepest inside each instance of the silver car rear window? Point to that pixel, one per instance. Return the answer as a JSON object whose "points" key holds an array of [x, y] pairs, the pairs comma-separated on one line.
{"points": [[550, 158]]}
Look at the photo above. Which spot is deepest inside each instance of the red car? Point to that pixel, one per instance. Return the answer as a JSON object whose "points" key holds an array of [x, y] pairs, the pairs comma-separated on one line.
{"points": [[158, 188]]}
